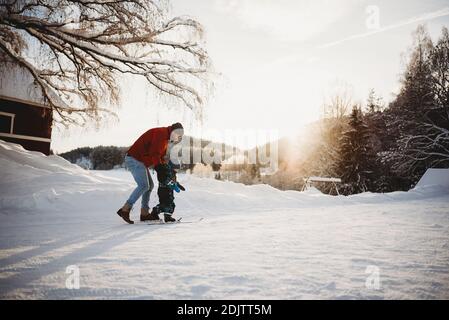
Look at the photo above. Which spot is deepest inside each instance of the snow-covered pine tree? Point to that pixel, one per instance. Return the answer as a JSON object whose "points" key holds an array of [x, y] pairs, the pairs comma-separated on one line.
{"points": [[375, 120], [356, 157], [383, 179], [374, 103]]}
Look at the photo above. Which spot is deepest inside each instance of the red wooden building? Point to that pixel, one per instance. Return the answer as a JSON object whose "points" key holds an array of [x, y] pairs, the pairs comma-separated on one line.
{"points": [[25, 117]]}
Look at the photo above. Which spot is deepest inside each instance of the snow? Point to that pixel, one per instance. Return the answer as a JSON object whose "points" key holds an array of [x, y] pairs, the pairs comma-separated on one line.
{"points": [[255, 242], [18, 83], [435, 177]]}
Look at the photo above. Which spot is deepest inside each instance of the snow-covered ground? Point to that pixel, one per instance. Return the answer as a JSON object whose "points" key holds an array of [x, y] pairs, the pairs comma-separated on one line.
{"points": [[255, 242]]}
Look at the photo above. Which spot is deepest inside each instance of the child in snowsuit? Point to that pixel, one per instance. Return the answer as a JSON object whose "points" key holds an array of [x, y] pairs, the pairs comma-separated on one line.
{"points": [[166, 176]]}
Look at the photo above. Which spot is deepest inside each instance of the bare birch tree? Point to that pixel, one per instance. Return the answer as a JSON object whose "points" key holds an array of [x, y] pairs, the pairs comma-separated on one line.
{"points": [[77, 50]]}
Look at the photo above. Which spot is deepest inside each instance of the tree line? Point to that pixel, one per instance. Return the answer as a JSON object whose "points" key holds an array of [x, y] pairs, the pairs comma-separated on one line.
{"points": [[382, 148], [97, 158]]}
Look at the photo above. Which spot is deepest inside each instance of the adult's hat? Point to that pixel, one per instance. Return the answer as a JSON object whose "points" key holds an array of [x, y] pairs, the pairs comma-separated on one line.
{"points": [[176, 125]]}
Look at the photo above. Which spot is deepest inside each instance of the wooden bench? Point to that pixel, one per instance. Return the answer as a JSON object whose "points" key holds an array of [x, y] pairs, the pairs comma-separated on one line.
{"points": [[308, 182]]}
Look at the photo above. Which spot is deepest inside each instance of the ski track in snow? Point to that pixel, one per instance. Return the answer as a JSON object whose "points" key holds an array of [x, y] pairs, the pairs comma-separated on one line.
{"points": [[256, 242]]}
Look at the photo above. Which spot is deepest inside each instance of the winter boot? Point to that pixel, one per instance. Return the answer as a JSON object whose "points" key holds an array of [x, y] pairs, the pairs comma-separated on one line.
{"points": [[169, 218], [124, 213], [146, 216]]}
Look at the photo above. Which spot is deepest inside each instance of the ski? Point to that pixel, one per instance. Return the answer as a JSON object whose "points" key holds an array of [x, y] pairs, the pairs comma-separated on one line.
{"points": [[188, 221], [160, 222]]}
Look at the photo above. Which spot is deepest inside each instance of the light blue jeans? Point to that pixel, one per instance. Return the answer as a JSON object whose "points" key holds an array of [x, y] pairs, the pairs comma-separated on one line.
{"points": [[144, 182]]}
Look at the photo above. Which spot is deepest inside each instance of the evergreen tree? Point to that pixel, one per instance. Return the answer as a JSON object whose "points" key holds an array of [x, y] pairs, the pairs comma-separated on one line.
{"points": [[374, 102], [356, 158]]}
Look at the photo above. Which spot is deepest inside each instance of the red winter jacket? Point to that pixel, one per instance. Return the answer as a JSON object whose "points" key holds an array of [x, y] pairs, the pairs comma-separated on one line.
{"points": [[151, 146]]}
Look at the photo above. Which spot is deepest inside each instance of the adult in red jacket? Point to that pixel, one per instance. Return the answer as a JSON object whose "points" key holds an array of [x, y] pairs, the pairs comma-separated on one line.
{"points": [[149, 151]]}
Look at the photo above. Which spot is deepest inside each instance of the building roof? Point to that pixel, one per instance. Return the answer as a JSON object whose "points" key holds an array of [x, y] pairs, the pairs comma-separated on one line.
{"points": [[18, 84]]}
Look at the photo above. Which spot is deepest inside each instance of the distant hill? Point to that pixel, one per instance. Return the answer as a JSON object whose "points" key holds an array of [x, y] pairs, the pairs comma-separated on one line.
{"points": [[109, 157]]}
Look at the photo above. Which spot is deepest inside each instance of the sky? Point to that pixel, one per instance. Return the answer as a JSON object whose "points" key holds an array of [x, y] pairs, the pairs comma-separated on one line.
{"points": [[278, 61]]}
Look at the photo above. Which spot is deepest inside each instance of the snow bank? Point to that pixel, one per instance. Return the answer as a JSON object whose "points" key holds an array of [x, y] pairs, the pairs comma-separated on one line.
{"points": [[435, 178], [31, 180]]}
